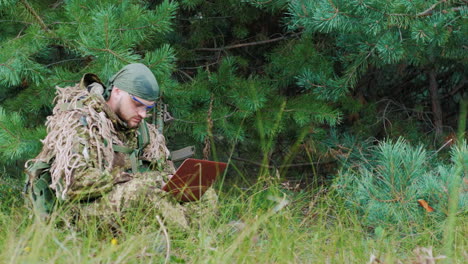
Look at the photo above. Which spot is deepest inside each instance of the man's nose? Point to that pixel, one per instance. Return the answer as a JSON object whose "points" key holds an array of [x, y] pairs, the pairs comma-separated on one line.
{"points": [[142, 112]]}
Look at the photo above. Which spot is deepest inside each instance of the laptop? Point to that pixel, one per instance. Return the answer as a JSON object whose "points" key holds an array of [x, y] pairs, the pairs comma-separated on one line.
{"points": [[193, 178]]}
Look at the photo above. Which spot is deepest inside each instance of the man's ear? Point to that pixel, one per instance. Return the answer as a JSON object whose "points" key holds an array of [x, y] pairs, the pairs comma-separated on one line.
{"points": [[114, 97], [116, 92]]}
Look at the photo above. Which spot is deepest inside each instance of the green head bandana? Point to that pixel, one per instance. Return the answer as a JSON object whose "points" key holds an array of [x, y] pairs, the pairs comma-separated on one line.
{"points": [[137, 80]]}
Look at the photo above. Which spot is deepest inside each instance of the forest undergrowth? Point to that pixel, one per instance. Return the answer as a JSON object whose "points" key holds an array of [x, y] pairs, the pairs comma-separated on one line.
{"points": [[266, 222]]}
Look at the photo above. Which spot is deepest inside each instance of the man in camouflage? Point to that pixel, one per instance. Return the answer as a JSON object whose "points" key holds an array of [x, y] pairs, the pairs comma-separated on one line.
{"points": [[94, 157]]}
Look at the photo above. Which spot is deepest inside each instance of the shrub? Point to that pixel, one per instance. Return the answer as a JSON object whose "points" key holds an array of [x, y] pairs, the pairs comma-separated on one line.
{"points": [[388, 189]]}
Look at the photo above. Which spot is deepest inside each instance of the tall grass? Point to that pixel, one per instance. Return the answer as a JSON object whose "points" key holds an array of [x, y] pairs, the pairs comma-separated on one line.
{"points": [[264, 224]]}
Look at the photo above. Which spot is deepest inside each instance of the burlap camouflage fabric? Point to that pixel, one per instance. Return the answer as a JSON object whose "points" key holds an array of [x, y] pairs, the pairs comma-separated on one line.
{"points": [[94, 180]]}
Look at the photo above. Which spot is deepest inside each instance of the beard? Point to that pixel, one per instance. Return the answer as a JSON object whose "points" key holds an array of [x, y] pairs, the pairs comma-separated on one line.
{"points": [[132, 120]]}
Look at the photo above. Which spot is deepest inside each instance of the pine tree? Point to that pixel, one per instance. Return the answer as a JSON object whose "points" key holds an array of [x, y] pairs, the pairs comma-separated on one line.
{"points": [[266, 80], [423, 36], [49, 43]]}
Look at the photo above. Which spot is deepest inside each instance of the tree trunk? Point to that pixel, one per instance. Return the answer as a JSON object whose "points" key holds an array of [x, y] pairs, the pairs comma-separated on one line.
{"points": [[436, 108]]}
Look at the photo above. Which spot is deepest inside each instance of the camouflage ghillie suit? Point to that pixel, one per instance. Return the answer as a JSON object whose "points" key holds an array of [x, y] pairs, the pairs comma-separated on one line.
{"points": [[96, 167]]}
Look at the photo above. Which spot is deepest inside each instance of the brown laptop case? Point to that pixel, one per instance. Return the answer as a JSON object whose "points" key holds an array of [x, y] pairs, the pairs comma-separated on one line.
{"points": [[193, 178]]}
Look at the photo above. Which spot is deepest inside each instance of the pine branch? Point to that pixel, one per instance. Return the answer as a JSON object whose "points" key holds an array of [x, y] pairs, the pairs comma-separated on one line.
{"points": [[15, 21], [335, 13], [8, 66], [248, 44], [16, 140], [9, 132], [457, 88], [113, 53], [204, 121], [351, 74], [262, 3], [430, 13], [430, 9], [427, 12], [35, 15], [63, 61], [135, 28]]}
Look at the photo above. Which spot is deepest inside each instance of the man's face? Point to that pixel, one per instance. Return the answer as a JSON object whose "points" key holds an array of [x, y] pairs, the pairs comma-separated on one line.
{"points": [[131, 109]]}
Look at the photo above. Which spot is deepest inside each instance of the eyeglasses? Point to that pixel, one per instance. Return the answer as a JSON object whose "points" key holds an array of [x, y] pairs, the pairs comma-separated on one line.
{"points": [[147, 107]]}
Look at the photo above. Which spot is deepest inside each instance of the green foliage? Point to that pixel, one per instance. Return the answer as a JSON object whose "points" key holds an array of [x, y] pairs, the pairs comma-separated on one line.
{"points": [[232, 99], [245, 111], [7, 3], [272, 5], [385, 189], [17, 142], [308, 110], [382, 33], [298, 58], [17, 65], [117, 30]]}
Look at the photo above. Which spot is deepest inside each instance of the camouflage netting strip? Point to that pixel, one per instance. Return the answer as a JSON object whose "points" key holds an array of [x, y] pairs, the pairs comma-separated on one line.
{"points": [[63, 128], [156, 150]]}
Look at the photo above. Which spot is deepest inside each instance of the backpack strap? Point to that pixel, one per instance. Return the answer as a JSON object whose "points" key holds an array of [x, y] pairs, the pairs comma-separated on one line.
{"points": [[143, 135], [143, 141]]}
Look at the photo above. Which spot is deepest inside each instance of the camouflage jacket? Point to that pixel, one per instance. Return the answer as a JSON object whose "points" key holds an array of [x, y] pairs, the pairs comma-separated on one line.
{"points": [[90, 149]]}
